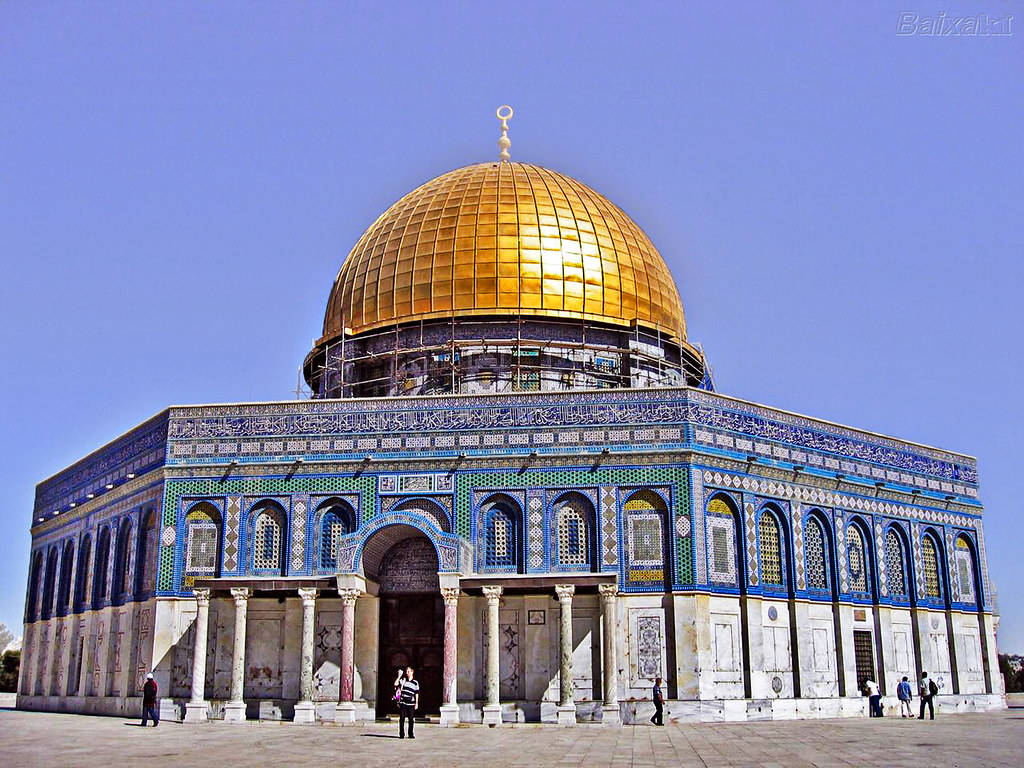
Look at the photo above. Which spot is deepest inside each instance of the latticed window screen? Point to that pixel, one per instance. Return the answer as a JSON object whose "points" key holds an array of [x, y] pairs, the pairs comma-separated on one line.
{"points": [[855, 559], [500, 539], [201, 546], [266, 542], [814, 555], [895, 580], [646, 511], [720, 546], [771, 550], [964, 570], [332, 528], [572, 536], [930, 567]]}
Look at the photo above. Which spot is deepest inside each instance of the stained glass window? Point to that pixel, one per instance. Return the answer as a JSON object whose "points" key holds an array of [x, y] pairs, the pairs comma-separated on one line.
{"points": [[266, 542], [572, 536], [814, 555], [930, 567], [771, 550], [895, 580], [856, 560]]}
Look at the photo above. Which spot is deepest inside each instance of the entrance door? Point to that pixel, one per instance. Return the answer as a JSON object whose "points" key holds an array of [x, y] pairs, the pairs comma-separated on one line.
{"points": [[864, 657], [411, 623]]}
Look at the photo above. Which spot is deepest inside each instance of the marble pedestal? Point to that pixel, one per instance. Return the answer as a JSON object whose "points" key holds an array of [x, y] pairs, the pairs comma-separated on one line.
{"points": [[234, 712], [610, 715], [492, 715], [196, 712], [567, 715], [345, 713], [305, 713], [449, 715]]}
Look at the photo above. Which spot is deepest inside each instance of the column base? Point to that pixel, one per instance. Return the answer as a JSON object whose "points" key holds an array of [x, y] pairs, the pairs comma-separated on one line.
{"points": [[449, 715], [197, 712], [345, 713], [305, 713], [234, 712], [567, 715], [610, 714], [492, 715]]}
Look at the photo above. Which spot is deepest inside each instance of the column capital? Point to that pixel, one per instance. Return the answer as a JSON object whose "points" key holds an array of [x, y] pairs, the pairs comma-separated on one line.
{"points": [[493, 593], [565, 592], [240, 594], [349, 596], [451, 595], [308, 595], [608, 591], [202, 597]]}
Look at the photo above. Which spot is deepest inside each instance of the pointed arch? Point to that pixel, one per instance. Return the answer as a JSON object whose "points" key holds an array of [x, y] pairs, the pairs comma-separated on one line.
{"points": [[67, 561], [771, 548], [145, 556], [897, 574], [49, 583], [267, 540], [202, 540], [35, 576], [721, 516], [122, 562], [931, 565], [501, 524], [82, 575], [333, 519], [99, 581], [858, 561], [573, 532], [966, 569], [645, 515]]}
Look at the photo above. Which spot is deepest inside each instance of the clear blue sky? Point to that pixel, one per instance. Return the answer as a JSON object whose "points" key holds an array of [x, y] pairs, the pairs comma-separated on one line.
{"points": [[843, 208]]}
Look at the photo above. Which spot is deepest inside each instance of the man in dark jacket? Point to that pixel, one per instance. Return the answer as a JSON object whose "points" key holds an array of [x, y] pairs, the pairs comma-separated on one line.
{"points": [[149, 708], [659, 703]]}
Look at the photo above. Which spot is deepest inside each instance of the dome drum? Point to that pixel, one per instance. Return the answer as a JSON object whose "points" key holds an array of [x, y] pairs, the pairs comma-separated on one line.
{"points": [[481, 355]]}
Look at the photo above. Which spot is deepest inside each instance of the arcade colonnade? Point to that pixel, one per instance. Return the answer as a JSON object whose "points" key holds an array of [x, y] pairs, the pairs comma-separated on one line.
{"points": [[197, 708]]}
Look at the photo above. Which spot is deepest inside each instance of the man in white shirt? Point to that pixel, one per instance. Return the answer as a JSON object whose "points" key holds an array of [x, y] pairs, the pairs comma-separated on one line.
{"points": [[874, 698]]}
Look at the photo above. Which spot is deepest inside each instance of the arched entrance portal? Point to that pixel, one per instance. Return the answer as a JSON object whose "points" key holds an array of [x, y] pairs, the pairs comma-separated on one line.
{"points": [[411, 621]]}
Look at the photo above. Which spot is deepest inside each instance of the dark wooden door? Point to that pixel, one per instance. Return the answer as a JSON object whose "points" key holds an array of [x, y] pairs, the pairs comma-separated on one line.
{"points": [[411, 634]]}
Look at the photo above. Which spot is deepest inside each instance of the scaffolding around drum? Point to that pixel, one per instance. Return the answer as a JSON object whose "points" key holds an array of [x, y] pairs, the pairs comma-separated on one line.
{"points": [[494, 355]]}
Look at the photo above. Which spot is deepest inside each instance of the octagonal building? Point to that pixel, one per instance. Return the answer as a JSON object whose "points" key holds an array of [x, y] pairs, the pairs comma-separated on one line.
{"points": [[514, 475]]}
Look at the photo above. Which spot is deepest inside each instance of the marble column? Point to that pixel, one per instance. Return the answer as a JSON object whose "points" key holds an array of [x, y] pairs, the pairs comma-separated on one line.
{"points": [[234, 710], [196, 710], [305, 710], [492, 709], [450, 677], [345, 714], [566, 700], [610, 708]]}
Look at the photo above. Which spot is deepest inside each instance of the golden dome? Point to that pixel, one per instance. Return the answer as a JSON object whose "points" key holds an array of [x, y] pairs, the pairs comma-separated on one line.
{"points": [[504, 239]]}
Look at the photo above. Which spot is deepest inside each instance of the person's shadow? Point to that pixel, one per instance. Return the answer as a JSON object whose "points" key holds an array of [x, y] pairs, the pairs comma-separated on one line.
{"points": [[381, 735]]}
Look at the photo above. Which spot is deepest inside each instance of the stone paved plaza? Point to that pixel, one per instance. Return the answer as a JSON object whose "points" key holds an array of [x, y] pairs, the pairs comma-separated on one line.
{"points": [[38, 739]]}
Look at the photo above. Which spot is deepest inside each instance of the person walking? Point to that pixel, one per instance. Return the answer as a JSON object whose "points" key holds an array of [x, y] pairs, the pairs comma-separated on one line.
{"points": [[927, 689], [659, 703], [149, 708], [409, 701], [905, 695], [874, 698]]}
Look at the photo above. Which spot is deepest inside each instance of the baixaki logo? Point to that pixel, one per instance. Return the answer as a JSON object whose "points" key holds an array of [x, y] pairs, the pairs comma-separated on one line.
{"points": [[944, 25]]}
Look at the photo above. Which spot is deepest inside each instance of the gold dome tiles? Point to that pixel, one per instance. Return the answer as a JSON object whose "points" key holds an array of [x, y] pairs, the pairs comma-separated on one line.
{"points": [[504, 238]]}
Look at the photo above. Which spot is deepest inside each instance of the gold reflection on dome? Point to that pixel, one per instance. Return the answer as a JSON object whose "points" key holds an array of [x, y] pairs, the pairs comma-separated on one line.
{"points": [[504, 239]]}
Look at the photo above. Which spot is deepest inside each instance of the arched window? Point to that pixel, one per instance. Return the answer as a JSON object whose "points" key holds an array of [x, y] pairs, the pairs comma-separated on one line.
{"points": [[721, 542], [771, 550], [964, 571], [856, 560], [67, 560], [82, 574], [33, 586], [574, 529], [99, 581], [145, 557], [815, 565], [337, 520], [49, 584], [267, 540], [202, 541], [645, 512], [895, 572], [122, 561], [930, 567]]}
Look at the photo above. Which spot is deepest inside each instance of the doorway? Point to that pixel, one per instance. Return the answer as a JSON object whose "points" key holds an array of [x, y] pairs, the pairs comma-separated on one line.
{"points": [[411, 623]]}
